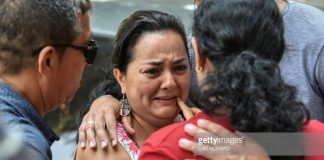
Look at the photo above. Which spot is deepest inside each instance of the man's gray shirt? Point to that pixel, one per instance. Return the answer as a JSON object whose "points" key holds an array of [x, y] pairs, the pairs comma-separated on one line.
{"points": [[303, 61]]}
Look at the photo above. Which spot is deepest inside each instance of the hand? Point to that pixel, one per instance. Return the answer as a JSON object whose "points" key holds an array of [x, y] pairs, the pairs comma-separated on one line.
{"points": [[100, 119], [188, 112], [249, 150]]}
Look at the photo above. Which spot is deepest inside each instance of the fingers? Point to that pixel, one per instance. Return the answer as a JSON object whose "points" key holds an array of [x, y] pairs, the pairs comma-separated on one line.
{"points": [[128, 125], [82, 135], [208, 129], [195, 110], [95, 129], [111, 127], [90, 133], [187, 113], [193, 130], [110, 114], [103, 113], [212, 128], [86, 132], [91, 129], [192, 146], [100, 130], [187, 144]]}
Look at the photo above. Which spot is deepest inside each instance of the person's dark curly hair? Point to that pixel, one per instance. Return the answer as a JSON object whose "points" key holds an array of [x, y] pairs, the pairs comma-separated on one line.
{"points": [[243, 40], [252, 92]]}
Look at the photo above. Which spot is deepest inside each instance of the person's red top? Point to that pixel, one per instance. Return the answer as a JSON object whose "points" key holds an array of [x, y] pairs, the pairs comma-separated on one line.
{"points": [[163, 144], [156, 148], [314, 126]]}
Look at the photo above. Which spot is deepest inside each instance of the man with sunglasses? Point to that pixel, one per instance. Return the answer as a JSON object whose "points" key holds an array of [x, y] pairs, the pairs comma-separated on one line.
{"points": [[44, 48]]}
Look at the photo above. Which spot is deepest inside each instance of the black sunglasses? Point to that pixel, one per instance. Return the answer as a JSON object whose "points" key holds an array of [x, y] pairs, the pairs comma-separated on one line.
{"points": [[89, 51]]}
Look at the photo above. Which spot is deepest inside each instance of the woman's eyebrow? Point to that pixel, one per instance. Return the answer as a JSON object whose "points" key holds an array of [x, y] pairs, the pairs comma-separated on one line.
{"points": [[158, 63], [178, 61], [154, 62]]}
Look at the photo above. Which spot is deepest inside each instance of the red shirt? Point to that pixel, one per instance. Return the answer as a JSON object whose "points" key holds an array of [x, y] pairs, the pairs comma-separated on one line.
{"points": [[314, 126], [156, 148], [163, 144]]}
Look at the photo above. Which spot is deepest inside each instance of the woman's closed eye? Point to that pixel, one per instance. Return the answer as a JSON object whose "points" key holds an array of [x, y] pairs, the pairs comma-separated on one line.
{"points": [[152, 72], [180, 68]]}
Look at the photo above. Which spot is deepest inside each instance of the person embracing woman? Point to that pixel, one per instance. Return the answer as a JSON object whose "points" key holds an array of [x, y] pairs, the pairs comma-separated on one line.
{"points": [[237, 44]]}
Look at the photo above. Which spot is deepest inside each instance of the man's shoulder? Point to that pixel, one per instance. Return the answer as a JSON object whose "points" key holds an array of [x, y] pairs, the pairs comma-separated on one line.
{"points": [[33, 144], [304, 9], [33, 140], [6, 103], [9, 114], [10, 102], [303, 22], [13, 119]]}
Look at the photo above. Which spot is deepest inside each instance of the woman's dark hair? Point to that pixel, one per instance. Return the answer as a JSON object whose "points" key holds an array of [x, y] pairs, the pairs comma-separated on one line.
{"points": [[137, 24], [243, 40], [130, 30], [232, 26]]}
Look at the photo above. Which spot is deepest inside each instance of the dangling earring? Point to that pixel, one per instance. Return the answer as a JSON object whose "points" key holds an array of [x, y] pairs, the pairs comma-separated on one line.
{"points": [[125, 108]]}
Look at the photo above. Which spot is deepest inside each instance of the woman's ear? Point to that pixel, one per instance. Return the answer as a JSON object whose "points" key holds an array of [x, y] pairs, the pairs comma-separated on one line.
{"points": [[200, 60], [47, 60], [121, 79]]}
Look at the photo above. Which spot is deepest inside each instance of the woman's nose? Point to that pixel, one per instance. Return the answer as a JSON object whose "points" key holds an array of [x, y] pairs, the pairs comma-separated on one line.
{"points": [[168, 81]]}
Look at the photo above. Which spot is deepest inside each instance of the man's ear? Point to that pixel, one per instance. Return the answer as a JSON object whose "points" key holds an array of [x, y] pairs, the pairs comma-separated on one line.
{"points": [[200, 60], [47, 60], [121, 80]]}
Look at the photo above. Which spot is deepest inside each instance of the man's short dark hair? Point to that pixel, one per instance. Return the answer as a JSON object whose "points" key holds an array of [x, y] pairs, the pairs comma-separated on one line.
{"points": [[27, 25]]}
